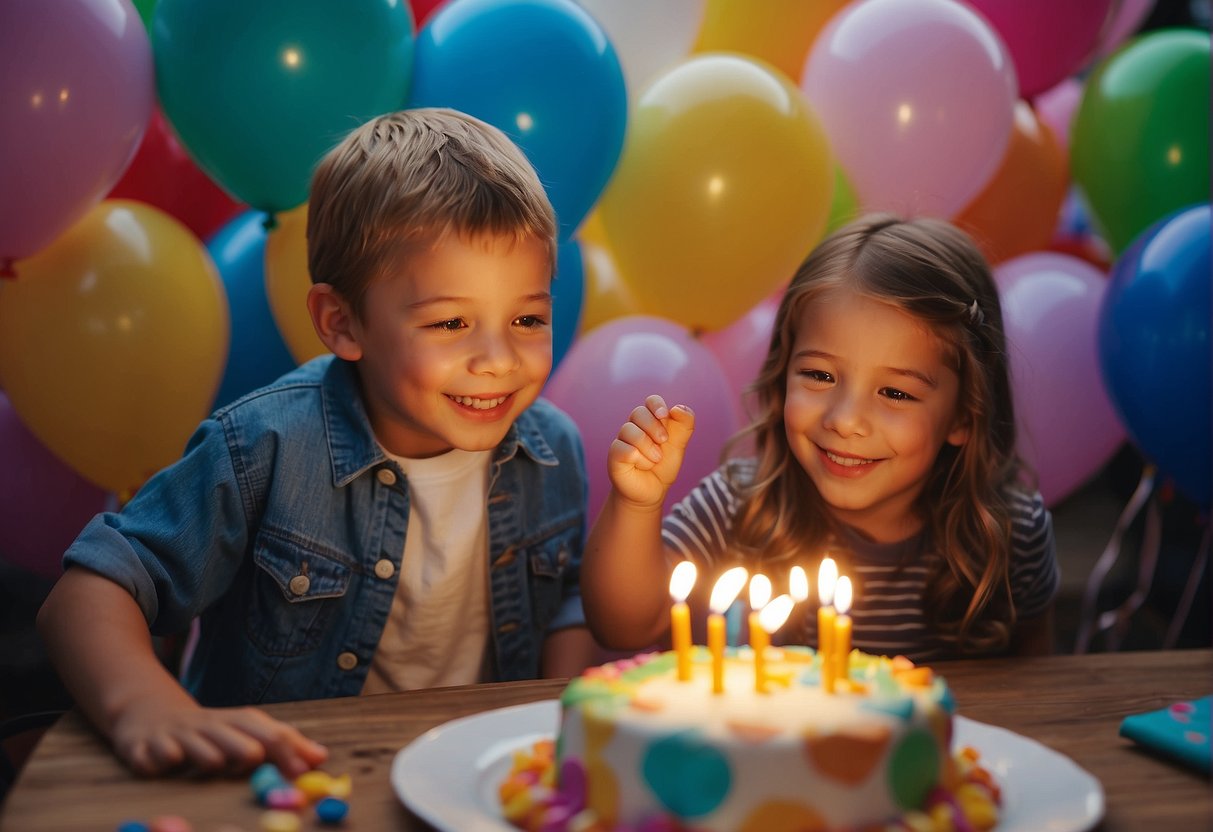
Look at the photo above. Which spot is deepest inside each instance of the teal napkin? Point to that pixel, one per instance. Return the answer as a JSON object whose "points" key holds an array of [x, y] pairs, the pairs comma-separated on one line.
{"points": [[1180, 731]]}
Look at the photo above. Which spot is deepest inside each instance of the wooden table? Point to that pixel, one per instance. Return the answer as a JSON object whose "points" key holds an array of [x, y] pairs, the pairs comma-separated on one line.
{"points": [[1072, 704]]}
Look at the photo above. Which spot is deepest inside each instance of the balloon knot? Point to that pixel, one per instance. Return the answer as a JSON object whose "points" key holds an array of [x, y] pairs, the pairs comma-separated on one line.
{"points": [[6, 269], [270, 222]]}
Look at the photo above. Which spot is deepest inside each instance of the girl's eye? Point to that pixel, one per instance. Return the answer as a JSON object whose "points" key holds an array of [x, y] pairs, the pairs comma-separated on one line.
{"points": [[817, 375], [897, 395], [449, 325], [530, 321]]}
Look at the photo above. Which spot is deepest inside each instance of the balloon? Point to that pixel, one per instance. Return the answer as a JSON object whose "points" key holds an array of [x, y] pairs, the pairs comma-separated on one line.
{"points": [[112, 342], [1016, 212], [424, 9], [648, 37], [611, 370], [287, 281], [723, 188], [1127, 17], [917, 99], [1154, 347], [568, 290], [145, 8], [162, 174], [76, 92], [258, 92], [43, 503], [845, 205], [1067, 427], [257, 354], [1139, 147], [544, 72], [1056, 107], [1047, 40], [742, 346], [607, 296], [780, 33]]}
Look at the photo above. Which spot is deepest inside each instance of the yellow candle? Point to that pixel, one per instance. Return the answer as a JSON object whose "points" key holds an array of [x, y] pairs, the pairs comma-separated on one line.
{"points": [[723, 594], [680, 616], [827, 576], [798, 584], [771, 618], [841, 644], [760, 593]]}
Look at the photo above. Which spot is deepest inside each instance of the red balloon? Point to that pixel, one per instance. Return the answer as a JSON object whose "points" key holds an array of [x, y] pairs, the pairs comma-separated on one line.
{"points": [[163, 175], [424, 9]]}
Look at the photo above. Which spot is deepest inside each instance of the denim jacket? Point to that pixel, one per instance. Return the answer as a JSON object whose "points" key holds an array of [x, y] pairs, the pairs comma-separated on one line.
{"points": [[282, 530]]}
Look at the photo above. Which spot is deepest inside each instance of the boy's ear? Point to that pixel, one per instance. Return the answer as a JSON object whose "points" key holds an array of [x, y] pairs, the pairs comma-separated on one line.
{"points": [[334, 321]]}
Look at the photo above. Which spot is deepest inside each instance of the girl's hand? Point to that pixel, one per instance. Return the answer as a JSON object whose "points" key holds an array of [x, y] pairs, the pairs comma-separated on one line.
{"points": [[158, 737], [647, 453]]}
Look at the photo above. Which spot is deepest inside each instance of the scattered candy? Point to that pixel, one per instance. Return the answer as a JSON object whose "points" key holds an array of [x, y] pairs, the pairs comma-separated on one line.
{"points": [[277, 820], [332, 810], [265, 778], [132, 826], [285, 797]]}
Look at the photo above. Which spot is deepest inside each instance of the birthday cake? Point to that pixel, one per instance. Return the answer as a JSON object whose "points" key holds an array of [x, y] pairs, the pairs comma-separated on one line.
{"points": [[638, 749]]}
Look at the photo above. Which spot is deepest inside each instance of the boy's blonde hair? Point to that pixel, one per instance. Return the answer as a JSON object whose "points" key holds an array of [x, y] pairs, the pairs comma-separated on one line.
{"points": [[405, 180]]}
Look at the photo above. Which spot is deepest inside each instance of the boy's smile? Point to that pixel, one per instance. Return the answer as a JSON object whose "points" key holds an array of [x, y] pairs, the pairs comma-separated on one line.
{"points": [[456, 344], [871, 400]]}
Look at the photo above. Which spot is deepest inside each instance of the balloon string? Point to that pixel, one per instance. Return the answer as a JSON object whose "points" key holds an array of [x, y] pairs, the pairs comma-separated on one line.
{"points": [[6, 269], [270, 222]]}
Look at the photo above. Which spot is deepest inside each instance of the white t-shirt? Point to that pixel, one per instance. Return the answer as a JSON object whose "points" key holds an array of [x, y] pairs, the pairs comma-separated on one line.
{"points": [[439, 622]]}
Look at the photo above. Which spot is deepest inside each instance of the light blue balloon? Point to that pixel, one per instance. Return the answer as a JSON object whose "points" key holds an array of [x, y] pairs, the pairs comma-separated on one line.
{"points": [[257, 354], [545, 73], [259, 91], [568, 292]]}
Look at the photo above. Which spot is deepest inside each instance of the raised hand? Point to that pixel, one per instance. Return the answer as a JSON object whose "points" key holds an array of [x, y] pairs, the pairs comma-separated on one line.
{"points": [[646, 454]]}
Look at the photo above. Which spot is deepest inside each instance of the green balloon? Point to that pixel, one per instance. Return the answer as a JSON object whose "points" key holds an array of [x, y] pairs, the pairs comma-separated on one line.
{"points": [[259, 91], [1139, 145], [145, 9], [845, 205]]}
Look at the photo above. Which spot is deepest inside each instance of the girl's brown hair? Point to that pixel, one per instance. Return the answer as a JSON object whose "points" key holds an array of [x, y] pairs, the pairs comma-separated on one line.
{"points": [[933, 271]]}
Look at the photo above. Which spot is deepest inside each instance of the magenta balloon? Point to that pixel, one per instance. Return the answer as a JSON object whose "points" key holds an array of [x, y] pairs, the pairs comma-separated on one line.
{"points": [[1056, 107], [1048, 40], [917, 98], [1068, 428], [76, 93], [611, 369], [43, 502], [742, 346]]}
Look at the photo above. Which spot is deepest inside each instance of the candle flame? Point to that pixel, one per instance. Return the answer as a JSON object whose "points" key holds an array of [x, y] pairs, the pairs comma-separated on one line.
{"points": [[727, 589], [842, 595], [774, 614], [682, 580], [798, 584], [760, 591], [827, 577]]}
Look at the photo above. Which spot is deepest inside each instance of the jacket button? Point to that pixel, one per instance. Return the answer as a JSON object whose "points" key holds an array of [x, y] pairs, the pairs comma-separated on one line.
{"points": [[508, 627], [385, 569], [347, 661], [299, 584], [386, 476]]}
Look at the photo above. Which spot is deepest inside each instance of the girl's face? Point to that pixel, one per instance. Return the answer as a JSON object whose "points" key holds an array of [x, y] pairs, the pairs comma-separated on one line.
{"points": [[871, 401]]}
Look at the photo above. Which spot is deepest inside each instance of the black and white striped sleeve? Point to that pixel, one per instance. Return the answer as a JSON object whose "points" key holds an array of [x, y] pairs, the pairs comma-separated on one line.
{"points": [[1035, 575], [698, 525]]}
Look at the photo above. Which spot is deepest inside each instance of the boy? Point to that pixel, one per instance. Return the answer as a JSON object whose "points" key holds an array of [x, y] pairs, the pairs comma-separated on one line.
{"points": [[404, 513]]}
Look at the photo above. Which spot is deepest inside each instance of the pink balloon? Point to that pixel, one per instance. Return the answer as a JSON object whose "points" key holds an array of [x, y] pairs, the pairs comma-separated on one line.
{"points": [[917, 98], [1056, 107], [76, 91], [1047, 40], [610, 370], [43, 502], [1127, 17], [1068, 428], [742, 346]]}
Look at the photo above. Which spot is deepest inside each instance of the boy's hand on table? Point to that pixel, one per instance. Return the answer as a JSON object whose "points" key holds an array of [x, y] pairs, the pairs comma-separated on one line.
{"points": [[155, 737], [646, 455]]}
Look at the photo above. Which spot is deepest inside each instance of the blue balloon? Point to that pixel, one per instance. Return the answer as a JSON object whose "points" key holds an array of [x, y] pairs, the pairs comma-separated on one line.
{"points": [[568, 290], [257, 355], [545, 73], [1155, 349]]}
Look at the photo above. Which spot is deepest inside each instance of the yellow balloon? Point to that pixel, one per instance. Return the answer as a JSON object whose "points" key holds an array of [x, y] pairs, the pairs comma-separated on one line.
{"points": [[724, 186], [607, 296], [287, 281], [113, 341], [781, 32]]}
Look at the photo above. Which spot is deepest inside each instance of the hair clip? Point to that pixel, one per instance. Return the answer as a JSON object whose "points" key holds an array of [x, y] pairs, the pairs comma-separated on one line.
{"points": [[976, 316]]}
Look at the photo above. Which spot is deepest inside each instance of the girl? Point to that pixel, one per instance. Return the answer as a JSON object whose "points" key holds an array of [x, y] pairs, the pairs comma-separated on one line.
{"points": [[885, 438]]}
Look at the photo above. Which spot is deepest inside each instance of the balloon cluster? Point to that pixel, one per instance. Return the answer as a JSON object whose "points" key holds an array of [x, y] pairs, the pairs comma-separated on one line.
{"points": [[157, 153]]}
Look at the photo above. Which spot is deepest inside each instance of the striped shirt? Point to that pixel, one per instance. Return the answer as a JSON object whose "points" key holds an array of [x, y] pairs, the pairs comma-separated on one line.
{"points": [[889, 581]]}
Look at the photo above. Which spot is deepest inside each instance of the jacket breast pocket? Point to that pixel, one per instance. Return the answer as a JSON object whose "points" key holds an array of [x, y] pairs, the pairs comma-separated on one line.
{"points": [[296, 594], [548, 562]]}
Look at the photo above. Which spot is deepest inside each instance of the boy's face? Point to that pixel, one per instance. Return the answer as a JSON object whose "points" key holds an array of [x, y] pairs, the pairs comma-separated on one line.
{"points": [[871, 400], [456, 344]]}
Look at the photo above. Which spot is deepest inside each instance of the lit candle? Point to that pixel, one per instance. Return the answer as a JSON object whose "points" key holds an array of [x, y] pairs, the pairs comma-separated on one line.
{"points": [[727, 588], [842, 630], [680, 616], [771, 618], [798, 584], [760, 593], [827, 576]]}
